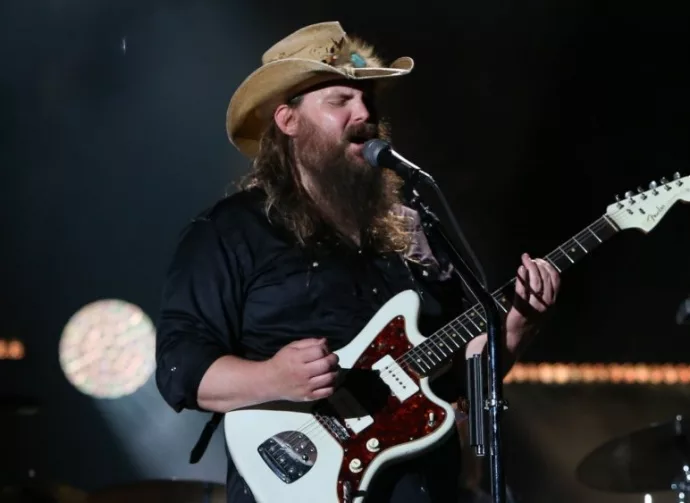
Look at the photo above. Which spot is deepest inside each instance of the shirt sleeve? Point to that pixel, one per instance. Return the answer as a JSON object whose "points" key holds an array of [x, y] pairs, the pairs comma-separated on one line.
{"points": [[200, 313]]}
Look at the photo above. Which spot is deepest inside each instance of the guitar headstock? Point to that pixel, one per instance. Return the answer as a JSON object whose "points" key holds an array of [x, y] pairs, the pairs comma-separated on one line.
{"points": [[646, 208]]}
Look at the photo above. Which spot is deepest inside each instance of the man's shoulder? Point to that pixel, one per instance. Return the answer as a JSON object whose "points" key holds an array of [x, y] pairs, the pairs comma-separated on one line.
{"points": [[237, 210]]}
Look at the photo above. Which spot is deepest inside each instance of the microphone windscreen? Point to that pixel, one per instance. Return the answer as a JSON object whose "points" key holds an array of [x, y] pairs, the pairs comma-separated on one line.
{"points": [[372, 150]]}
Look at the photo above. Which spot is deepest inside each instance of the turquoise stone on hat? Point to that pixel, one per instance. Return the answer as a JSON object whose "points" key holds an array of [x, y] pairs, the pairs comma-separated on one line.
{"points": [[357, 60]]}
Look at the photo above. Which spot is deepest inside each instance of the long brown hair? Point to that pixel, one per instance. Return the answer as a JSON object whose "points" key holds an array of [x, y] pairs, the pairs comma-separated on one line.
{"points": [[275, 172]]}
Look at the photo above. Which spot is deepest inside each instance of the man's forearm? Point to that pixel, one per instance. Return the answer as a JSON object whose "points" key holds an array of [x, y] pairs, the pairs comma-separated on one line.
{"points": [[511, 349], [232, 382]]}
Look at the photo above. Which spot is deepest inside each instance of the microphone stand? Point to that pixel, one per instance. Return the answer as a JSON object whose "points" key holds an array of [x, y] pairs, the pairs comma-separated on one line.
{"points": [[495, 403]]}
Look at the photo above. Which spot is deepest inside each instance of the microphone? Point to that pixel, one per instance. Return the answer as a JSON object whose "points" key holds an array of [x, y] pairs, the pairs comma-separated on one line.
{"points": [[379, 154], [683, 315]]}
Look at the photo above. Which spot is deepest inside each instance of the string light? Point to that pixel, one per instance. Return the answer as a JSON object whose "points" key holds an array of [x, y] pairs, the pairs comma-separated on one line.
{"points": [[615, 373]]}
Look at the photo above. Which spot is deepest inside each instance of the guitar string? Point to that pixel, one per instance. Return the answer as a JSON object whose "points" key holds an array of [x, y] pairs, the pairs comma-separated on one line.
{"points": [[313, 428]]}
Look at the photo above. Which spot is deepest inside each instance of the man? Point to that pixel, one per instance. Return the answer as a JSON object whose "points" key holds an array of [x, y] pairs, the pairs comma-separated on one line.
{"points": [[267, 283]]}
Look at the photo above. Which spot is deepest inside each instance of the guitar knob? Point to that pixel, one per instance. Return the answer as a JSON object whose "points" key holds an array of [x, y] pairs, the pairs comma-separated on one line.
{"points": [[373, 444], [355, 465]]}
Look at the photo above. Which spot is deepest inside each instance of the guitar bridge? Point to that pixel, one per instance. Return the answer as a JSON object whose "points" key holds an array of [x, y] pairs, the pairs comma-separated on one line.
{"points": [[289, 455]]}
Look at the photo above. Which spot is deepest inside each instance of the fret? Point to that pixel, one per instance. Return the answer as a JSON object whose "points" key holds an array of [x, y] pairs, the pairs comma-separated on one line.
{"points": [[444, 337], [564, 252], [417, 357], [588, 239], [607, 230], [594, 234], [574, 249], [580, 245], [558, 263], [427, 350], [470, 316], [479, 312], [432, 340], [414, 364], [459, 322], [504, 295], [469, 327], [450, 336], [454, 333]]}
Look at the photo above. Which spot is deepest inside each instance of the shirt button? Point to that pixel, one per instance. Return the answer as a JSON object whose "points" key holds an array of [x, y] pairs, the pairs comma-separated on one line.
{"points": [[315, 264], [173, 369], [375, 290]]}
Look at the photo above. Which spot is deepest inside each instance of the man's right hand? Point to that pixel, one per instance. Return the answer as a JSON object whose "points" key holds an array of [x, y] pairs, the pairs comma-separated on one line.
{"points": [[304, 370]]}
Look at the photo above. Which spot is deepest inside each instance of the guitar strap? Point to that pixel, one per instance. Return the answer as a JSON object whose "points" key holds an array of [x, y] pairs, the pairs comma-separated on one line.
{"points": [[205, 437]]}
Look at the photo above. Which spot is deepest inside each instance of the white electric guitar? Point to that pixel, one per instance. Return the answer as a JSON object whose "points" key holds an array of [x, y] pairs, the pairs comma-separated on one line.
{"points": [[330, 451]]}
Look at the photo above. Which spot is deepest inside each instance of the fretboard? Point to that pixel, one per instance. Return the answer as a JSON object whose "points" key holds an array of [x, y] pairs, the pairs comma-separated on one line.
{"points": [[440, 347]]}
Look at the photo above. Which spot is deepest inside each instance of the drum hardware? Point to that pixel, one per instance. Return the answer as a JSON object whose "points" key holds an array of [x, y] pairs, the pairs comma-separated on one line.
{"points": [[653, 459]]}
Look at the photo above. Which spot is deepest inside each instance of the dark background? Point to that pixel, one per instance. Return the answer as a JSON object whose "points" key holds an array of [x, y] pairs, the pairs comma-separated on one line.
{"points": [[532, 115]]}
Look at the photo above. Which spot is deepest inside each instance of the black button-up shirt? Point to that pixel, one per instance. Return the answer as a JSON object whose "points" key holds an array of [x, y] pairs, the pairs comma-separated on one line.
{"points": [[239, 284]]}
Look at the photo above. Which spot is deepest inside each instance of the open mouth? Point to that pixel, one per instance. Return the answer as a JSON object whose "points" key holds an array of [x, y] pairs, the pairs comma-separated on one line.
{"points": [[360, 140]]}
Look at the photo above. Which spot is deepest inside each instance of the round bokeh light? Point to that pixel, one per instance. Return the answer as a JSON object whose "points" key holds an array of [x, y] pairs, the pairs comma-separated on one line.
{"points": [[107, 349]]}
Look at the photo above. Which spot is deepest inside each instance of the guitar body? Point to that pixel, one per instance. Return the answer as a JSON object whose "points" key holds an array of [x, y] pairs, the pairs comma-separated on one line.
{"points": [[330, 451]]}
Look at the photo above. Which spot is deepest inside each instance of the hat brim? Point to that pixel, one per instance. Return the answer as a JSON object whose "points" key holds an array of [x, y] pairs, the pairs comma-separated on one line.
{"points": [[251, 107]]}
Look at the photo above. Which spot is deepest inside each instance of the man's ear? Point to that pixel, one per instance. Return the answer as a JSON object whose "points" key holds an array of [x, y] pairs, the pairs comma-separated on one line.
{"points": [[286, 119]]}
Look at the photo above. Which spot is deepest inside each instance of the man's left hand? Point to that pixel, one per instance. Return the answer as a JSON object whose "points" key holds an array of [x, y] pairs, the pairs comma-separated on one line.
{"points": [[536, 289]]}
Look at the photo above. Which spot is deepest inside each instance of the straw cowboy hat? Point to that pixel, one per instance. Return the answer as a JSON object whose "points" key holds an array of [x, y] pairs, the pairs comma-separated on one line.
{"points": [[312, 55]]}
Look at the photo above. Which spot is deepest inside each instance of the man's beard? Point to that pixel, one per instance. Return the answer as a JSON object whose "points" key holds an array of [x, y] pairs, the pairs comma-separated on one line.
{"points": [[350, 194]]}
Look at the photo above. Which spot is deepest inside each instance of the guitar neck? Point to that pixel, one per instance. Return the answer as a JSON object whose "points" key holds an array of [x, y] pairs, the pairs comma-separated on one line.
{"points": [[445, 343]]}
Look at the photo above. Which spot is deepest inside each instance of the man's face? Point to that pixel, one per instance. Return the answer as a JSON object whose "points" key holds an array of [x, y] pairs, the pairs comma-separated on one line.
{"points": [[337, 118], [333, 124]]}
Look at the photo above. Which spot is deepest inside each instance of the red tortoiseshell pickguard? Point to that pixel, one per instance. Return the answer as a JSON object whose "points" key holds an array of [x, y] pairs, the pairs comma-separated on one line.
{"points": [[395, 423]]}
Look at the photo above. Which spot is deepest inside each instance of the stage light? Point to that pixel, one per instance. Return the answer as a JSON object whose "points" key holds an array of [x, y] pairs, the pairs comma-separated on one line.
{"points": [[612, 373], [11, 349], [107, 349], [15, 350]]}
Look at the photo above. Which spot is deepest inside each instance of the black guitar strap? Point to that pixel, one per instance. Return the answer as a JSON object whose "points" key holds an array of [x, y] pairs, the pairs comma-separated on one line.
{"points": [[205, 437]]}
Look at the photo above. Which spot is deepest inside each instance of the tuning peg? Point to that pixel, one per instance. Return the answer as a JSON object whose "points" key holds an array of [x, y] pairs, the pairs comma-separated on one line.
{"points": [[664, 180], [640, 190], [618, 198], [652, 185], [676, 175], [629, 194]]}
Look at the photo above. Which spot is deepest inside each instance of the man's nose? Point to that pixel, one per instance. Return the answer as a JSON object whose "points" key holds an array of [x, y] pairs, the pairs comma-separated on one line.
{"points": [[360, 113]]}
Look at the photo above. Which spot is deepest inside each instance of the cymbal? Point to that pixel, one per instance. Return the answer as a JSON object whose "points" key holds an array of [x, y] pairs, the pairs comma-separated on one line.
{"points": [[161, 491], [644, 461]]}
